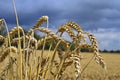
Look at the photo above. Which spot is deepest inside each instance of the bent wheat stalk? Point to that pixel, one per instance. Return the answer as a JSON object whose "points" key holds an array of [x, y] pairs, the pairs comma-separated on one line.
{"points": [[98, 58]]}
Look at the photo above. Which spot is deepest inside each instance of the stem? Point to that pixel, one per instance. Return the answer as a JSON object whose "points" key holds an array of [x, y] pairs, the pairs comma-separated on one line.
{"points": [[9, 43], [87, 64], [19, 42], [51, 61], [17, 22]]}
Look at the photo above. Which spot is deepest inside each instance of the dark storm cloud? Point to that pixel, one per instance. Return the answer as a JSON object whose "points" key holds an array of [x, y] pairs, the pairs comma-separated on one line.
{"points": [[95, 14], [89, 14]]}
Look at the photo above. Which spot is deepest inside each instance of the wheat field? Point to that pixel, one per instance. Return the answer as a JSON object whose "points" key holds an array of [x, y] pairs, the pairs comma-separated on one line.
{"points": [[94, 72], [26, 57]]}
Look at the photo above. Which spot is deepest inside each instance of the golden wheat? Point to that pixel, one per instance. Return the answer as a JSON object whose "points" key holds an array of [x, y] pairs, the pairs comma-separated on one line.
{"points": [[1, 23], [77, 65], [41, 21], [45, 64], [80, 34], [66, 28], [1, 38], [6, 52], [75, 26], [98, 58]]}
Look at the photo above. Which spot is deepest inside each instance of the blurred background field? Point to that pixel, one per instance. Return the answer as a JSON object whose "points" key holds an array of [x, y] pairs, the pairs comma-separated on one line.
{"points": [[95, 72]]}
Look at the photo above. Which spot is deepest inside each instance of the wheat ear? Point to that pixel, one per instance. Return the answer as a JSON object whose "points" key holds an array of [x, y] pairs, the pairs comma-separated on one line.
{"points": [[1, 23], [54, 36], [7, 67], [66, 28], [15, 30], [84, 46], [75, 26], [1, 38], [40, 21], [6, 52], [77, 65], [98, 57]]}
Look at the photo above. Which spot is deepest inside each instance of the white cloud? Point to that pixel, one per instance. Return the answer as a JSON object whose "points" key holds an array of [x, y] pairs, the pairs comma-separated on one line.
{"points": [[108, 38]]}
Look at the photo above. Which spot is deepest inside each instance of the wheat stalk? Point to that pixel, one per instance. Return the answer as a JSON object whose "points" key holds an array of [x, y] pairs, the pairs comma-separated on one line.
{"points": [[51, 61], [64, 67]]}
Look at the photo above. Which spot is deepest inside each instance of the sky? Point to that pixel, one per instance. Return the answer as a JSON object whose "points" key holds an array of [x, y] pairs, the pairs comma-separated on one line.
{"points": [[100, 17]]}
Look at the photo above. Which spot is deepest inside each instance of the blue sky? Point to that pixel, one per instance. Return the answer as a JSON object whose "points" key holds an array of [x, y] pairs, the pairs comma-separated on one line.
{"points": [[101, 17]]}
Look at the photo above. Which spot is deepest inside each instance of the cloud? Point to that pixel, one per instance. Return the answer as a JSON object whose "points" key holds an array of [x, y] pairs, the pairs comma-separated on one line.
{"points": [[90, 14], [107, 38]]}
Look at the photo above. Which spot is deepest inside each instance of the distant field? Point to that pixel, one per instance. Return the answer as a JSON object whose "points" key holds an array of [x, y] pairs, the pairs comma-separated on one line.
{"points": [[95, 72]]}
